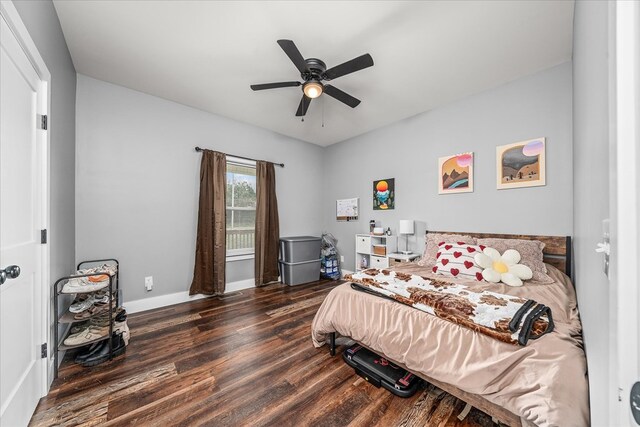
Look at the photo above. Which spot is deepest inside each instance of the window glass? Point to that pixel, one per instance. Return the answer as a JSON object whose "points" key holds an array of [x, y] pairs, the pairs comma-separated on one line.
{"points": [[241, 209]]}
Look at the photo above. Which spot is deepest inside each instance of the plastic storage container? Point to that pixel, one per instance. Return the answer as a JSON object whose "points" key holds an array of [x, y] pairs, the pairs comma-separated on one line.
{"points": [[297, 273], [300, 248]]}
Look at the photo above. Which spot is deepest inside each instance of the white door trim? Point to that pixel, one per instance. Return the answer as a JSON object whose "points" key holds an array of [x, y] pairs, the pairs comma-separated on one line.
{"points": [[10, 14]]}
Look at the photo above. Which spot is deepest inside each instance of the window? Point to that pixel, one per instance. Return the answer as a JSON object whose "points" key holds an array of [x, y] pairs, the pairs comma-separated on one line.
{"points": [[241, 208]]}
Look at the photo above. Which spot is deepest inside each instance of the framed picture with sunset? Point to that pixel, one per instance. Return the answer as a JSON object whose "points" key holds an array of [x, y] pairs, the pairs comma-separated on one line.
{"points": [[521, 164], [455, 174], [384, 194]]}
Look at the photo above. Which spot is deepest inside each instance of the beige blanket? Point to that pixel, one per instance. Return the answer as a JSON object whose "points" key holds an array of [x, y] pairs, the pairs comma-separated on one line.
{"points": [[544, 383]]}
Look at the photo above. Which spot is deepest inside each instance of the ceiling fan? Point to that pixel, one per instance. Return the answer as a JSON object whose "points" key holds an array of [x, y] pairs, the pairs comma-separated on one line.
{"points": [[314, 71]]}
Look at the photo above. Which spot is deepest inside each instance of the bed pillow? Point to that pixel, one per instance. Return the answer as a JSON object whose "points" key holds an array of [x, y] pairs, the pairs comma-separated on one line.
{"points": [[530, 252], [457, 260], [503, 268], [431, 248]]}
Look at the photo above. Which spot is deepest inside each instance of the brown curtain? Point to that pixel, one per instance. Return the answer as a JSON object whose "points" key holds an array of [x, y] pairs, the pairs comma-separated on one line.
{"points": [[211, 251], [267, 225]]}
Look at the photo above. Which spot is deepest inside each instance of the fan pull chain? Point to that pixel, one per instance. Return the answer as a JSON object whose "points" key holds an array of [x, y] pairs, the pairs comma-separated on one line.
{"points": [[323, 112]]}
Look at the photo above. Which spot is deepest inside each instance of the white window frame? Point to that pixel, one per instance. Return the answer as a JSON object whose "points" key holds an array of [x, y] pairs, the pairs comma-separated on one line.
{"points": [[240, 254]]}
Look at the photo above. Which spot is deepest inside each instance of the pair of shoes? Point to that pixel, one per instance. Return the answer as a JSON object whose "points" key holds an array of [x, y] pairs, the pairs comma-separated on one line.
{"points": [[82, 284], [87, 351], [90, 283], [101, 353], [81, 303], [123, 328], [78, 327], [91, 311], [121, 315], [100, 321], [101, 298], [91, 333], [101, 293], [109, 269]]}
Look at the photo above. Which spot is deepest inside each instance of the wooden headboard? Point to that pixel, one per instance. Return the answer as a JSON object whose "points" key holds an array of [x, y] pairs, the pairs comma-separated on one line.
{"points": [[557, 249]]}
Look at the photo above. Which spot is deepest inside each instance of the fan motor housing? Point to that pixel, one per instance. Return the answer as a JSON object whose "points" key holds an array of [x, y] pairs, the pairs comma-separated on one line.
{"points": [[316, 66]]}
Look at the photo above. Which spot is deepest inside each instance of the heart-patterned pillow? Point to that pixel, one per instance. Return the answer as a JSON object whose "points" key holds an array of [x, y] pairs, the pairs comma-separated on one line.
{"points": [[455, 259]]}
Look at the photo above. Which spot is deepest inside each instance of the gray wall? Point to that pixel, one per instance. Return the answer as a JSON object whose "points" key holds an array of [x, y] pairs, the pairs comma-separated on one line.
{"points": [[533, 106], [591, 192], [41, 21], [138, 179]]}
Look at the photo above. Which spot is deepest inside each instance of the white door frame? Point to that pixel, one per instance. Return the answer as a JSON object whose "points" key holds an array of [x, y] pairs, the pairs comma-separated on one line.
{"points": [[12, 17], [625, 204]]}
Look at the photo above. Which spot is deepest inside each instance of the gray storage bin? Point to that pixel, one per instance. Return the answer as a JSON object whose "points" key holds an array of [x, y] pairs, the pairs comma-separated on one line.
{"points": [[299, 248], [297, 273]]}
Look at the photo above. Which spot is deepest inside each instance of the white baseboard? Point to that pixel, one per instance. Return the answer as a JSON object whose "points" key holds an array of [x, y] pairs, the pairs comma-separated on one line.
{"points": [[239, 285], [179, 297], [50, 369]]}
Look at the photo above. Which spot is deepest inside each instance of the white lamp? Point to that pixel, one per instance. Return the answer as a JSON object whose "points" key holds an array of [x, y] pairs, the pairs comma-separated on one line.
{"points": [[406, 227]]}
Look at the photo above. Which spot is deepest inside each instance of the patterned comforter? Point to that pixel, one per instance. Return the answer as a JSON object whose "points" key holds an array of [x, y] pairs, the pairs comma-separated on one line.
{"points": [[504, 317]]}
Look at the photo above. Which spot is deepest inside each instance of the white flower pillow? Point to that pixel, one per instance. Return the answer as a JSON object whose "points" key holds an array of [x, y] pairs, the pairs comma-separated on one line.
{"points": [[457, 260], [502, 268]]}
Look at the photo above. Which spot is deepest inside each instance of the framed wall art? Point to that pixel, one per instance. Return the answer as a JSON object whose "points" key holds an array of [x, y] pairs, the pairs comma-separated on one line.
{"points": [[384, 194], [455, 174], [347, 209], [521, 164]]}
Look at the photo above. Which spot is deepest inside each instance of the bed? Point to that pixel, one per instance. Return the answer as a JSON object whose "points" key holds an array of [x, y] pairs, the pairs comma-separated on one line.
{"points": [[543, 383]]}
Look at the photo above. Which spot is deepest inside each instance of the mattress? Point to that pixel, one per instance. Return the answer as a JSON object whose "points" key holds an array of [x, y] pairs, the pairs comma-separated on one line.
{"points": [[544, 382]]}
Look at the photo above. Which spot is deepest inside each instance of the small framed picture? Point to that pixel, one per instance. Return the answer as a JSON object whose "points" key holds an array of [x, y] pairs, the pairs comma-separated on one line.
{"points": [[455, 174], [521, 164], [384, 194], [347, 209]]}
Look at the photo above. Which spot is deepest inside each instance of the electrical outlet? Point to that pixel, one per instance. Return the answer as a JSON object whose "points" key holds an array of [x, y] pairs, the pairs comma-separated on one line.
{"points": [[341, 258], [148, 283]]}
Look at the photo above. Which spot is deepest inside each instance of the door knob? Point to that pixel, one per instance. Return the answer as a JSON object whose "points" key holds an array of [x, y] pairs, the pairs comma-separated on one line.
{"points": [[10, 272]]}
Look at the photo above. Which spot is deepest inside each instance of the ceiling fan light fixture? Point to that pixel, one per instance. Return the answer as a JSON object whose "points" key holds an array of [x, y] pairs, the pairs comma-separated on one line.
{"points": [[313, 72], [312, 89]]}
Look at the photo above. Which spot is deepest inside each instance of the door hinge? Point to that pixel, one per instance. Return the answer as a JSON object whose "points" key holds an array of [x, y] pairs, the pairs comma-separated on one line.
{"points": [[42, 121], [43, 351], [43, 236]]}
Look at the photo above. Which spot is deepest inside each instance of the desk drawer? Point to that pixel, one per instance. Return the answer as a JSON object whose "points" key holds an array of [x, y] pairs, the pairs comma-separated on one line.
{"points": [[363, 244], [379, 262]]}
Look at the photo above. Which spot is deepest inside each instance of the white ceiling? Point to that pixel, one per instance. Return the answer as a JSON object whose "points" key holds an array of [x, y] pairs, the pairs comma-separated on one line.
{"points": [[205, 54]]}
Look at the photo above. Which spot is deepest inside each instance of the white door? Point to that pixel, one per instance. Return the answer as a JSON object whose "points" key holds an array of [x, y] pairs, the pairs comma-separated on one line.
{"points": [[21, 216], [625, 211]]}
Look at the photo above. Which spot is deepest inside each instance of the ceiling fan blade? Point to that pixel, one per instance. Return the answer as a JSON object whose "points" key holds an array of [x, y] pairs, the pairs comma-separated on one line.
{"points": [[294, 55], [274, 85], [341, 96], [356, 64], [304, 106]]}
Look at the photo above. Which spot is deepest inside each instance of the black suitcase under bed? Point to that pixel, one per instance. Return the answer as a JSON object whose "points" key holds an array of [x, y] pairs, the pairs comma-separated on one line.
{"points": [[381, 372]]}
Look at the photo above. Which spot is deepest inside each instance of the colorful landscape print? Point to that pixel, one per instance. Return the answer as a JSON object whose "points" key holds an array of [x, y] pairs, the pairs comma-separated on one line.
{"points": [[456, 174], [384, 194], [521, 164]]}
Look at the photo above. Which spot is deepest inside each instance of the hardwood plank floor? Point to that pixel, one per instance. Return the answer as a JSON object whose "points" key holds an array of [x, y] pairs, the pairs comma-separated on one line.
{"points": [[240, 359]]}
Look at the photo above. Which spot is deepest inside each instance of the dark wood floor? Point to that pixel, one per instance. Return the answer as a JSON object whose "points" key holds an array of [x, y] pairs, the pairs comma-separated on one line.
{"points": [[242, 359]]}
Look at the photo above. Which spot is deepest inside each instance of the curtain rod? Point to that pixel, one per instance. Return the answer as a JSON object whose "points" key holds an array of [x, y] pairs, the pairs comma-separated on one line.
{"points": [[198, 149]]}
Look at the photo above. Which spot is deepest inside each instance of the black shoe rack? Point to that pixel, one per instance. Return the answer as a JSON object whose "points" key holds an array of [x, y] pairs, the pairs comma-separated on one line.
{"points": [[68, 318]]}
